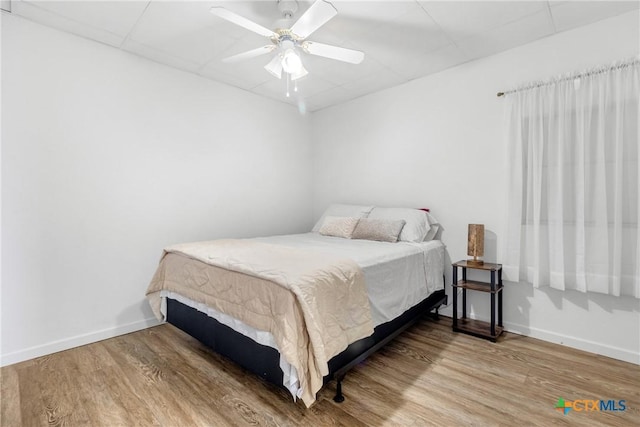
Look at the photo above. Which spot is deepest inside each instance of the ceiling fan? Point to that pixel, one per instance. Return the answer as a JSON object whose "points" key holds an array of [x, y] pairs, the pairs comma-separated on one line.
{"points": [[290, 42]]}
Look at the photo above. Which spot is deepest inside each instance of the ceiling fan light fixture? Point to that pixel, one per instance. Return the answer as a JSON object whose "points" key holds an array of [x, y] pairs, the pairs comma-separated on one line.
{"points": [[275, 66], [291, 62], [303, 72]]}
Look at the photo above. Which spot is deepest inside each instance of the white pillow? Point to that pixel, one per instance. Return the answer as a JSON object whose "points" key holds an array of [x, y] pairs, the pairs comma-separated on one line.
{"points": [[353, 211], [339, 226], [416, 227], [434, 227]]}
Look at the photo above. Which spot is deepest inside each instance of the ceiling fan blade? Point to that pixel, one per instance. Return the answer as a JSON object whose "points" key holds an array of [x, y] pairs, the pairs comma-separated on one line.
{"points": [[315, 17], [249, 54], [334, 52], [241, 21], [275, 66]]}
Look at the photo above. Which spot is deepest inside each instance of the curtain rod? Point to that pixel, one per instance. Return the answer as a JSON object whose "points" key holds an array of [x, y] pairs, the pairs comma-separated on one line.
{"points": [[573, 76]]}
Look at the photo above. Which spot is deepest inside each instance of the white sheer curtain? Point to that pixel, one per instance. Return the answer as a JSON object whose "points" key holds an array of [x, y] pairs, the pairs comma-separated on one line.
{"points": [[574, 198]]}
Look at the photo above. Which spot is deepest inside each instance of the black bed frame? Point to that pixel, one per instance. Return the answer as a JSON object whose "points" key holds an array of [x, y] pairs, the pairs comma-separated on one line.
{"points": [[265, 361]]}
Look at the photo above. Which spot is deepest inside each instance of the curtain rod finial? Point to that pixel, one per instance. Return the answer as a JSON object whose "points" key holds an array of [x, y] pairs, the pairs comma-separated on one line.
{"points": [[500, 94]]}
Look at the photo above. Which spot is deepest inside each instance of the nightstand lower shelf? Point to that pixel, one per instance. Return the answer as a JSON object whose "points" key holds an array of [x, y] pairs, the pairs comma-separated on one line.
{"points": [[477, 328]]}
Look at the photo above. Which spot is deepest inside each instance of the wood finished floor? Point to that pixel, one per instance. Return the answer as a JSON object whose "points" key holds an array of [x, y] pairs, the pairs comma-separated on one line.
{"points": [[427, 376]]}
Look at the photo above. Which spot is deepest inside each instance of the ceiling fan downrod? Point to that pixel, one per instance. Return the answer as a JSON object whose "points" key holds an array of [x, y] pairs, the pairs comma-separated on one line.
{"points": [[287, 8]]}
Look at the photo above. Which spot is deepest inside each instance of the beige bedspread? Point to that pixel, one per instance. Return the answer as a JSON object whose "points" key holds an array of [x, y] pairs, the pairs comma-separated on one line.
{"points": [[314, 304]]}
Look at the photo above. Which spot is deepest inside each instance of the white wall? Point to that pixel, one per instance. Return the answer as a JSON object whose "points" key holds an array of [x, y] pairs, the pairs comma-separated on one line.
{"points": [[106, 159], [437, 142]]}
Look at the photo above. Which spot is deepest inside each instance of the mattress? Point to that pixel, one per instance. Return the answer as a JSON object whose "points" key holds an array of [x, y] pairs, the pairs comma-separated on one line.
{"points": [[397, 275]]}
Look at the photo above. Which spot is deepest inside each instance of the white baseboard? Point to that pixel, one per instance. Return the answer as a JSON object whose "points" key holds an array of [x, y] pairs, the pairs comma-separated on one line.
{"points": [[577, 343], [569, 341], [77, 341]]}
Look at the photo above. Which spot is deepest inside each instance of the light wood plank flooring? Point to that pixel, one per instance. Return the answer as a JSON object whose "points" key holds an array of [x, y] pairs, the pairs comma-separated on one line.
{"points": [[427, 376]]}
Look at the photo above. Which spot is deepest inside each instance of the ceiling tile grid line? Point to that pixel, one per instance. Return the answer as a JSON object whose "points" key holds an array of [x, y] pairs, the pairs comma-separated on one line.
{"points": [[550, 14], [436, 23], [401, 40], [133, 28], [62, 17], [66, 24]]}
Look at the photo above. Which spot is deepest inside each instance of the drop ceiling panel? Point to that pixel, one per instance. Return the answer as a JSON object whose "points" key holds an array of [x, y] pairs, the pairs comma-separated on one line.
{"points": [[338, 72], [265, 13], [236, 79], [422, 64], [335, 95], [402, 40], [308, 87], [375, 12], [382, 79], [355, 19], [516, 33], [404, 37], [100, 21], [160, 56], [185, 30], [465, 18], [117, 18], [567, 15]]}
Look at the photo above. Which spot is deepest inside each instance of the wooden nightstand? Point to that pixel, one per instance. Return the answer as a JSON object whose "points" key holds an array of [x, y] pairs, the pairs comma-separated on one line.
{"points": [[478, 328]]}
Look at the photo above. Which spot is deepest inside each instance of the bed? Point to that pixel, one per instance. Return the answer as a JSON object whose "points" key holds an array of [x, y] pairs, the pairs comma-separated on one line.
{"points": [[299, 310]]}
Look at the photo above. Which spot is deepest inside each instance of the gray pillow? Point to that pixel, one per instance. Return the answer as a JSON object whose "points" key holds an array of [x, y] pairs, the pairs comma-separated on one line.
{"points": [[354, 211], [382, 230], [337, 226]]}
